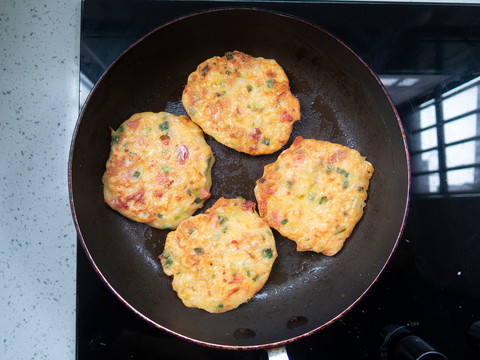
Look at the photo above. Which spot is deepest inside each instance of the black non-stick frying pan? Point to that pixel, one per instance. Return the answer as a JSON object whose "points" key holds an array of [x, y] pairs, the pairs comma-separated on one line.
{"points": [[341, 101]]}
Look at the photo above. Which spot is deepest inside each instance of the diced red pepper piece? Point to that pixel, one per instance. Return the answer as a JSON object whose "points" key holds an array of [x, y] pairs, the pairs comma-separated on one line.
{"points": [[204, 194], [286, 117], [133, 124]]}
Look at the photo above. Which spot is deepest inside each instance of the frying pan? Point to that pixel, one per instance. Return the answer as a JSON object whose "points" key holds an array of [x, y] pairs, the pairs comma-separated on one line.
{"points": [[341, 101]]}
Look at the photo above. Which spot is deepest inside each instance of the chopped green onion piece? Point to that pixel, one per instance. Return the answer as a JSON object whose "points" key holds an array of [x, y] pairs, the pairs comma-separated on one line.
{"points": [[322, 200], [267, 253], [115, 138], [220, 306], [360, 188], [168, 261], [340, 231], [164, 126], [270, 83], [198, 251], [209, 161], [249, 88], [266, 141], [345, 184], [120, 129], [343, 172], [284, 221], [165, 169], [137, 174], [159, 216], [198, 200]]}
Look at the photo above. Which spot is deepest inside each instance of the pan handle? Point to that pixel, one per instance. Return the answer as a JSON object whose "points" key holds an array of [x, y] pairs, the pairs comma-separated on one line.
{"points": [[279, 353]]}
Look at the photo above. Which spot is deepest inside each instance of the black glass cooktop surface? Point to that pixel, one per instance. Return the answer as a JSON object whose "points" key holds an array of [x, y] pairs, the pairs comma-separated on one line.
{"points": [[428, 298]]}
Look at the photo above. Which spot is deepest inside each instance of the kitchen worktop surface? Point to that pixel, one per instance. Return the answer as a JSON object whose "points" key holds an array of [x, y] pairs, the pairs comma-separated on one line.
{"points": [[39, 95], [39, 98]]}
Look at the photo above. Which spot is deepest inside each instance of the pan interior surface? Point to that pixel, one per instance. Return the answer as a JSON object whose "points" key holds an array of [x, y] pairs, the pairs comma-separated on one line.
{"points": [[341, 101]]}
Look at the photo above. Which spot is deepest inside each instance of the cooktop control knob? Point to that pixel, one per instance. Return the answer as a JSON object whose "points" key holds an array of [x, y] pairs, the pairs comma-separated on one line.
{"points": [[401, 344]]}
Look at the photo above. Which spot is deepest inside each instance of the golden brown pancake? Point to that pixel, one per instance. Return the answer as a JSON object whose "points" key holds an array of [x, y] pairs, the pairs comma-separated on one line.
{"points": [[159, 169], [222, 258], [314, 194], [244, 102]]}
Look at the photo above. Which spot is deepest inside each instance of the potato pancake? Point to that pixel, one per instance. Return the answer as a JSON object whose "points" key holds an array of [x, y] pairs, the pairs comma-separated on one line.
{"points": [[159, 169], [314, 194], [222, 258], [244, 102]]}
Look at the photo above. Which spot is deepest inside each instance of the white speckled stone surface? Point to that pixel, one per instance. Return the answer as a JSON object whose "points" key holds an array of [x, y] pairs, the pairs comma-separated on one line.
{"points": [[39, 69]]}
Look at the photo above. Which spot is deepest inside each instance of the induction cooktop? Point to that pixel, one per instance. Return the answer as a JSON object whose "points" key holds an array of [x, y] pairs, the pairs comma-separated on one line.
{"points": [[427, 301]]}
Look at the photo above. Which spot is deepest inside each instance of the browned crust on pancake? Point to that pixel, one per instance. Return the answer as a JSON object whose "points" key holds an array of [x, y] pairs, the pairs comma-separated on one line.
{"points": [[159, 169], [243, 102], [314, 194], [222, 258]]}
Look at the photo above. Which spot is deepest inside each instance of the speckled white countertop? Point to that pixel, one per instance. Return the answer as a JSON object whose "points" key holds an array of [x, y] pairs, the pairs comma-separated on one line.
{"points": [[39, 69], [39, 96]]}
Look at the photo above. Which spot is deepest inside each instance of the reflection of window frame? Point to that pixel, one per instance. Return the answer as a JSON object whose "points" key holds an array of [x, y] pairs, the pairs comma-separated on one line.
{"points": [[441, 146]]}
